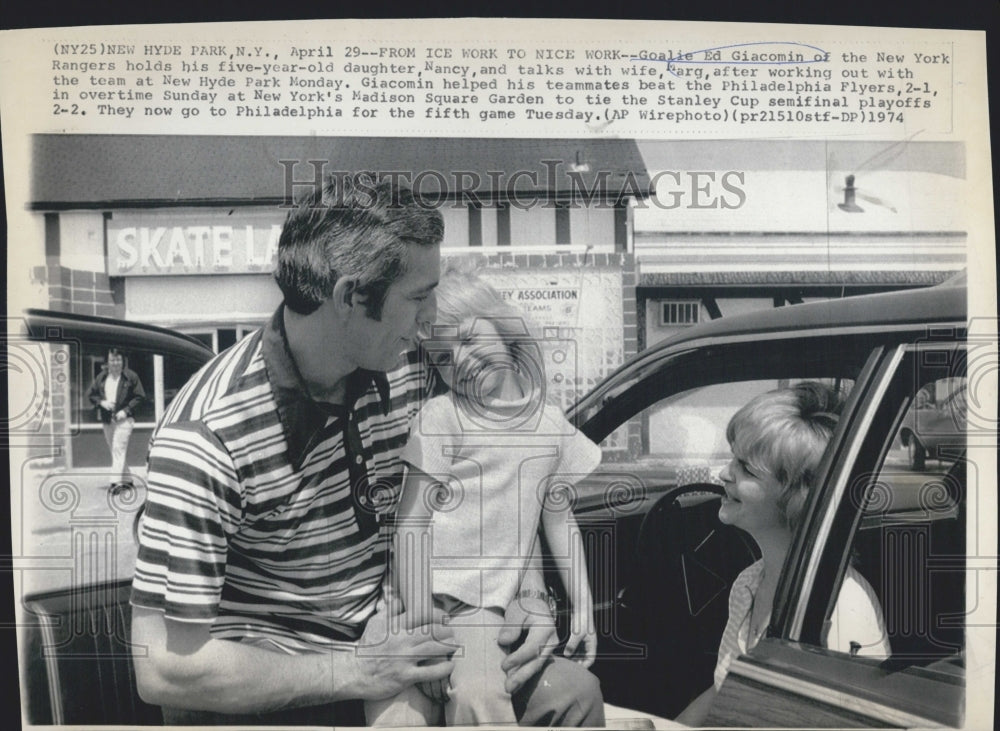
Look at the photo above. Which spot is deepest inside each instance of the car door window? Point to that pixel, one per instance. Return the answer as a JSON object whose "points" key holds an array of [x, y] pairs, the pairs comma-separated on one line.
{"points": [[932, 433], [92, 362], [70, 367], [891, 539], [674, 562], [687, 432], [682, 438], [908, 547]]}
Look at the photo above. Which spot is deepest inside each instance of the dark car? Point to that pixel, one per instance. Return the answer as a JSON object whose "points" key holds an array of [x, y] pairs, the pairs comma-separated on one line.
{"points": [[661, 564], [76, 539]]}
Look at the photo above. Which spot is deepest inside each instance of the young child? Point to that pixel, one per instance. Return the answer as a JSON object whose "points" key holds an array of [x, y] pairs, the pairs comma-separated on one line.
{"points": [[489, 466], [777, 441]]}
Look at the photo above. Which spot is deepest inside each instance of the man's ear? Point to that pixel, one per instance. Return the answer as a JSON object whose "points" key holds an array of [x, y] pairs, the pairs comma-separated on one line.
{"points": [[345, 293]]}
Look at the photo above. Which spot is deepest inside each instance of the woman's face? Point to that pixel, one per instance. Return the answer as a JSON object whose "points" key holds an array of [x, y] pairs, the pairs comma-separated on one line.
{"points": [[751, 500]]}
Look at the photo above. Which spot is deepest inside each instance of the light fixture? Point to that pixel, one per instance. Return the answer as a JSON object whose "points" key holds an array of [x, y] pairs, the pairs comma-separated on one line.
{"points": [[579, 166], [849, 193]]}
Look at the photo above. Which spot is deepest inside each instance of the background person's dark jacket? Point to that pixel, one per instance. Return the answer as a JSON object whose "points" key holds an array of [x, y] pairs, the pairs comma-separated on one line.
{"points": [[129, 397]]}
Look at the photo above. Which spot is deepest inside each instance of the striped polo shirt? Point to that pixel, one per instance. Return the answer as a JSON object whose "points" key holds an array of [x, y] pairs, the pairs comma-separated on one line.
{"points": [[264, 513]]}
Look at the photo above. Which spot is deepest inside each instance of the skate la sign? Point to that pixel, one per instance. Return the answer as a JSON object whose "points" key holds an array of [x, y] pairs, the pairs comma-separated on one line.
{"points": [[192, 242]]}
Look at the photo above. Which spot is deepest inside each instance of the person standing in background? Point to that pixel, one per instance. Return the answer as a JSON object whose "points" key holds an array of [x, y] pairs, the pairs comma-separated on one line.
{"points": [[116, 393]]}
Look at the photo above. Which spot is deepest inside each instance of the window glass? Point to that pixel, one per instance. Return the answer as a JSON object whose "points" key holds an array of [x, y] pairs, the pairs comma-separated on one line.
{"points": [[683, 437], [932, 433], [227, 338], [680, 312], [176, 373], [674, 562], [84, 369], [907, 555]]}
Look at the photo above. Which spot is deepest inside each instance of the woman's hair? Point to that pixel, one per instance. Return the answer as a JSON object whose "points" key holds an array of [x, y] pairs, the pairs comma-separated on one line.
{"points": [[783, 433], [462, 297]]}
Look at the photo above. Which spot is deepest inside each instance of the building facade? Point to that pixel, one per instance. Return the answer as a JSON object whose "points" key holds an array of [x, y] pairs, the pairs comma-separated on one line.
{"points": [[182, 232], [610, 245], [736, 226]]}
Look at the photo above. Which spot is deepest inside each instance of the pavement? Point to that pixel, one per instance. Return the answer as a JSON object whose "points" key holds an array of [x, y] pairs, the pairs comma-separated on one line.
{"points": [[68, 529]]}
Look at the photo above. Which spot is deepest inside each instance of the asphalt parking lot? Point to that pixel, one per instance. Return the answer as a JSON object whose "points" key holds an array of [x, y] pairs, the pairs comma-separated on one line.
{"points": [[69, 530]]}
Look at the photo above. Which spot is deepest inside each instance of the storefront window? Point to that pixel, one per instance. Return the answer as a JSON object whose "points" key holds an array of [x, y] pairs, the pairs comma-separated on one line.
{"points": [[174, 373], [220, 338], [227, 338], [205, 337]]}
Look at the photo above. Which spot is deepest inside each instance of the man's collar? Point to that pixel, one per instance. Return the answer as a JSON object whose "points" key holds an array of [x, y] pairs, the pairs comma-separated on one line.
{"points": [[301, 416]]}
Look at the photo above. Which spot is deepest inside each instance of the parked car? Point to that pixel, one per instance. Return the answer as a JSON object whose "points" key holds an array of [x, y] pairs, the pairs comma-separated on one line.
{"points": [[660, 562], [75, 660], [935, 427]]}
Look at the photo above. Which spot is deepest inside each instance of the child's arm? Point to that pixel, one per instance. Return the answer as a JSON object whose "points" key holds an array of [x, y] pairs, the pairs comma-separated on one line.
{"points": [[563, 537], [412, 547], [412, 564], [697, 710]]}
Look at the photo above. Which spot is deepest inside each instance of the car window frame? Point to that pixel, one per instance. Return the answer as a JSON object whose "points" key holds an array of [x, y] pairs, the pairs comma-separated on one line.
{"points": [[791, 660], [817, 566], [599, 418], [827, 519]]}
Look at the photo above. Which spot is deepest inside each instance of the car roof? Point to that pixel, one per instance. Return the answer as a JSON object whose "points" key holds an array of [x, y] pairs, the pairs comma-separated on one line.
{"points": [[944, 305], [49, 325], [932, 305]]}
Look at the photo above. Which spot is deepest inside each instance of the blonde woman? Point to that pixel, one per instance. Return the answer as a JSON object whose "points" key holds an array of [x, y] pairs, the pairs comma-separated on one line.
{"points": [[777, 441]]}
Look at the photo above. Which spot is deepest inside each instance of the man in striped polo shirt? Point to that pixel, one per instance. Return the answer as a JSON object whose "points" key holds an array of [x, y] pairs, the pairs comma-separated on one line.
{"points": [[257, 595]]}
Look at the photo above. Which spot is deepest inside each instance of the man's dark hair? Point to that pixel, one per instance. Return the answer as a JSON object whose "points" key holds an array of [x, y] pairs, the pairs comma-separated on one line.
{"points": [[357, 226]]}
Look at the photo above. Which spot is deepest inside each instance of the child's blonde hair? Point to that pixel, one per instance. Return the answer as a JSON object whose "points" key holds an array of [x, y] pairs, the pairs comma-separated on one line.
{"points": [[784, 433], [462, 295]]}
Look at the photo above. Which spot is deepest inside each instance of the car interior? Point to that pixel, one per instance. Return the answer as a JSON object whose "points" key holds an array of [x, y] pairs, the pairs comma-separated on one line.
{"points": [[675, 602]]}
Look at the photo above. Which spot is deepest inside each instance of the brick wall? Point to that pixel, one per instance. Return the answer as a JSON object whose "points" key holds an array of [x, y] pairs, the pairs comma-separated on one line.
{"points": [[80, 292]]}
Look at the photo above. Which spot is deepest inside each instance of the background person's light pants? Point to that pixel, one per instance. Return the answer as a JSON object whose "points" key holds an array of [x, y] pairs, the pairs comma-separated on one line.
{"points": [[117, 434]]}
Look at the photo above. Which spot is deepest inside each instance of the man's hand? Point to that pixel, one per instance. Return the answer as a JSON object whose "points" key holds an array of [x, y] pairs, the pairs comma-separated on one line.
{"points": [[528, 618], [392, 656], [438, 691], [180, 664]]}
